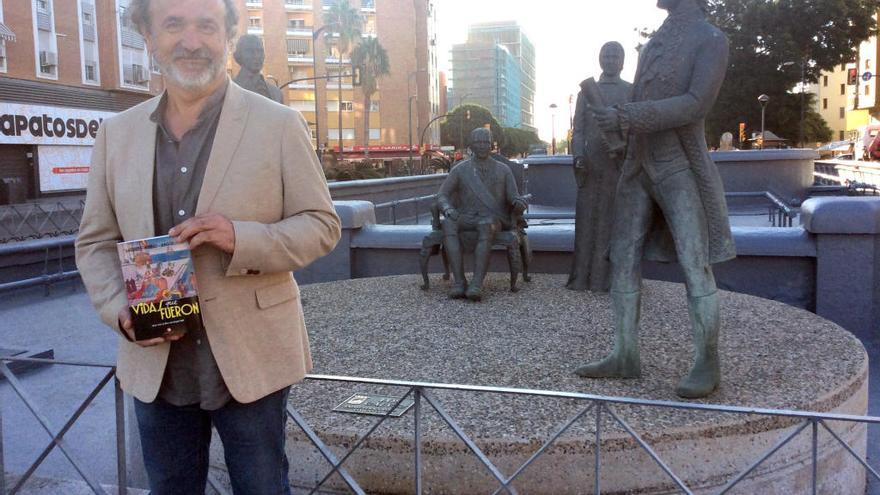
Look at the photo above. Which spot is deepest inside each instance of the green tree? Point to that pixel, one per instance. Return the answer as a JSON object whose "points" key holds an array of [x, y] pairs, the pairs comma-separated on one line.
{"points": [[372, 58], [562, 146], [774, 44], [517, 141], [456, 128]]}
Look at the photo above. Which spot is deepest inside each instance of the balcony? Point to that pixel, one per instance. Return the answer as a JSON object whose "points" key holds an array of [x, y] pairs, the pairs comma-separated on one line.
{"points": [[333, 83], [299, 58], [302, 85], [336, 61], [254, 4], [298, 6], [300, 32], [258, 31]]}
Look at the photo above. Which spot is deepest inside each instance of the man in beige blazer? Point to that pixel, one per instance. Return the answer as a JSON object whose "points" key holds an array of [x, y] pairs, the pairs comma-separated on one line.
{"points": [[234, 175]]}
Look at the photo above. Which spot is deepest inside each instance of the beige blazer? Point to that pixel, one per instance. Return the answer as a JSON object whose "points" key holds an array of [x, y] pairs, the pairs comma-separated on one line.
{"points": [[263, 175]]}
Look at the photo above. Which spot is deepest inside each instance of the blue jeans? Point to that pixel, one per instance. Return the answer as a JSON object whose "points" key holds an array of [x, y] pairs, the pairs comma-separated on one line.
{"points": [[175, 442]]}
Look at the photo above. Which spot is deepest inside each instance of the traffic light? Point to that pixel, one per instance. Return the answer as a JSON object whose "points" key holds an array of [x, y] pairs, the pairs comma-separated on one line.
{"points": [[742, 133], [356, 71], [852, 76]]}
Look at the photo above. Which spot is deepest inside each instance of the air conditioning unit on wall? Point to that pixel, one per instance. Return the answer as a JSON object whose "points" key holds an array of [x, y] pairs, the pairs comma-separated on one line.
{"points": [[48, 59]]}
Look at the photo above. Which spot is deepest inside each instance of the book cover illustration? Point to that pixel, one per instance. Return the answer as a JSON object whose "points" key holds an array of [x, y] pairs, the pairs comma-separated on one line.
{"points": [[161, 286]]}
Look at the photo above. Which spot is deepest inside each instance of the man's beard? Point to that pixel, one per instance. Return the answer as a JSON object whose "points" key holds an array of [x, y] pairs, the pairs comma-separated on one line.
{"points": [[195, 81]]}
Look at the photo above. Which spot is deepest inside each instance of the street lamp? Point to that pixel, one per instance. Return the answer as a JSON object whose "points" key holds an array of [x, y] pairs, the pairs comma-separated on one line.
{"points": [[763, 99], [428, 126], [409, 110], [553, 108], [315, 35]]}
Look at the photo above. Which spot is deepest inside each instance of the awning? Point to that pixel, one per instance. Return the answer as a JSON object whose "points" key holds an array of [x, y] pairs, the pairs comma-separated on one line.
{"points": [[6, 33]]}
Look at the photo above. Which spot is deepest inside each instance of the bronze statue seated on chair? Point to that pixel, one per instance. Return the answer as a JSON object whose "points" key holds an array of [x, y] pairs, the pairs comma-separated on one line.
{"points": [[480, 208], [515, 241]]}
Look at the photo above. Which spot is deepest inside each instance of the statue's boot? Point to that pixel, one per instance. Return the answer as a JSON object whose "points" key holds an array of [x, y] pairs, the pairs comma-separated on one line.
{"points": [[623, 362], [456, 265], [705, 375], [481, 265]]}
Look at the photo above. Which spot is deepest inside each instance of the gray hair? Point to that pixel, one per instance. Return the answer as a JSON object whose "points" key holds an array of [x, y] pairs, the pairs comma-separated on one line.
{"points": [[139, 13]]}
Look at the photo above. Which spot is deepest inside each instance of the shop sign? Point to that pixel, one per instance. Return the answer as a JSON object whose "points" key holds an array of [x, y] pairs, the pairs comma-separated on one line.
{"points": [[21, 123]]}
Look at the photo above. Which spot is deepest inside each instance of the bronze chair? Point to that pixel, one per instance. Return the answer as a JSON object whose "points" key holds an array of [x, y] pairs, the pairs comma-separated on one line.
{"points": [[515, 241]]}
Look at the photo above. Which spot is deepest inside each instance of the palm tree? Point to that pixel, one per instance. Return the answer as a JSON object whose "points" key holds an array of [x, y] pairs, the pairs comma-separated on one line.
{"points": [[346, 24], [372, 58]]}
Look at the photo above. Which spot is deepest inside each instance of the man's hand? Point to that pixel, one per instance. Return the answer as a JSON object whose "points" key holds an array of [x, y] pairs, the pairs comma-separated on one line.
{"points": [[607, 118], [451, 213], [519, 206], [212, 229], [127, 327]]}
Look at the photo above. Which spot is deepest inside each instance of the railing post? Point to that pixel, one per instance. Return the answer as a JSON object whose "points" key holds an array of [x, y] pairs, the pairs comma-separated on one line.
{"points": [[121, 462], [2, 465], [598, 447], [815, 427], [417, 416]]}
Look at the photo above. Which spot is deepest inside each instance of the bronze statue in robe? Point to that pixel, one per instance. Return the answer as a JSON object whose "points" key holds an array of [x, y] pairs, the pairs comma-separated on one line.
{"points": [[596, 171]]}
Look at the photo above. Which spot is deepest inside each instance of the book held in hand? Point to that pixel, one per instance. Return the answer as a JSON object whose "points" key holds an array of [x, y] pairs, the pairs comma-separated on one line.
{"points": [[161, 286]]}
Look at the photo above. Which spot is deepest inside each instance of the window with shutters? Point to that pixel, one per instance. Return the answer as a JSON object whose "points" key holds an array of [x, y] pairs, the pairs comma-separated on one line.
{"points": [[297, 48]]}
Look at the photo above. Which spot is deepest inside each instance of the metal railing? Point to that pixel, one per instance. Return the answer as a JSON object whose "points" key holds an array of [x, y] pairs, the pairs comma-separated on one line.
{"points": [[25, 221], [53, 262], [57, 434], [779, 213], [418, 203], [595, 407], [595, 404]]}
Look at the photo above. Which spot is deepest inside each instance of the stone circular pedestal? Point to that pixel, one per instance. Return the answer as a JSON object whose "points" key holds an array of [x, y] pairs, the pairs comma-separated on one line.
{"points": [[773, 356]]}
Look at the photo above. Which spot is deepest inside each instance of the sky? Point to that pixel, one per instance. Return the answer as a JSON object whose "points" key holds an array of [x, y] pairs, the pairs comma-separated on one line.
{"points": [[567, 35]]}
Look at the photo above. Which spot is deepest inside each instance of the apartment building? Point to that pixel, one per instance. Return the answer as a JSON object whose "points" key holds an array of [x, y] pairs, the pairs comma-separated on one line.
{"points": [[301, 54], [833, 100], [488, 75], [846, 96], [65, 65], [509, 35]]}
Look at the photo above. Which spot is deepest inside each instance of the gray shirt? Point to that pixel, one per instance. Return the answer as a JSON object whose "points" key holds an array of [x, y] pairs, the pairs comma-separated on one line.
{"points": [[192, 375]]}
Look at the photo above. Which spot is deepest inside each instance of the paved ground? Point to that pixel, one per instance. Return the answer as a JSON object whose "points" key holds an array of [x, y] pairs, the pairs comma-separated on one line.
{"points": [[66, 322]]}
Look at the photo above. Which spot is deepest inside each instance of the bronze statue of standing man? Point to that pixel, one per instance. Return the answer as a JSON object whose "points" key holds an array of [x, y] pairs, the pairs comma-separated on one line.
{"points": [[250, 56], [479, 195], [596, 170], [670, 200]]}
